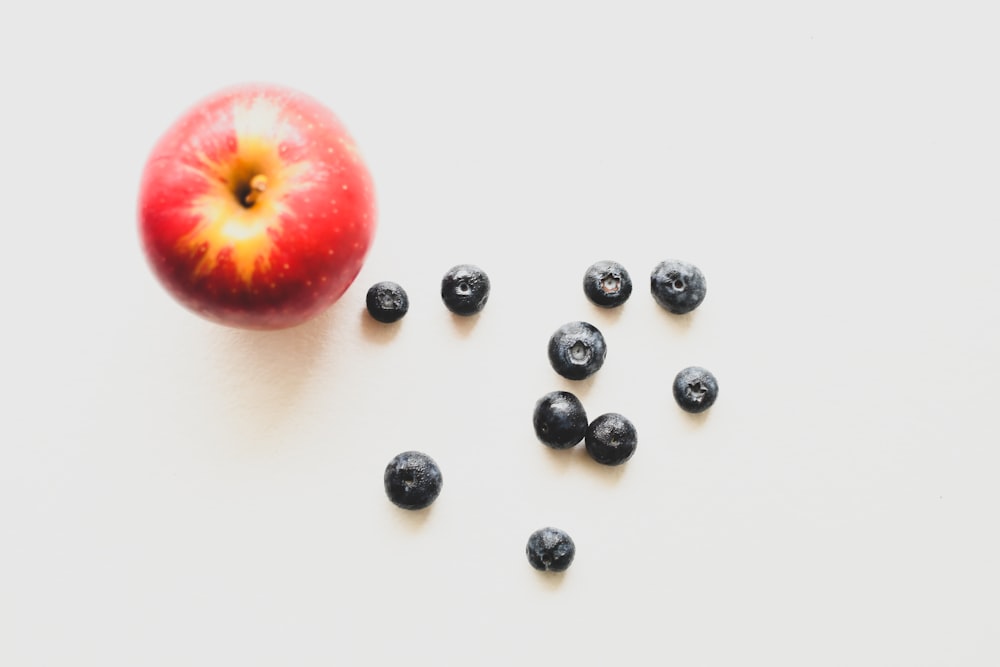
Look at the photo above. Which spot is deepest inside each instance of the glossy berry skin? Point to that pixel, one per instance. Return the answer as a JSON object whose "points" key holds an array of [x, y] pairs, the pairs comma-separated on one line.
{"points": [[560, 420], [387, 302], [465, 289], [607, 284], [677, 286], [412, 480], [695, 389], [611, 439], [577, 350], [550, 550]]}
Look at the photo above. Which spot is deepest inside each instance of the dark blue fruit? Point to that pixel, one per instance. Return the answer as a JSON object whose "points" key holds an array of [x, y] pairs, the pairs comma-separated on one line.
{"points": [[560, 420], [465, 289], [577, 350], [412, 480], [550, 550], [677, 286], [611, 439], [387, 302], [695, 389], [607, 284]]}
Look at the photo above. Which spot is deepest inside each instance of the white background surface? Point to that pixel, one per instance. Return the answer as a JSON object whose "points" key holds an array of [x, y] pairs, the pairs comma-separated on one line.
{"points": [[176, 493]]}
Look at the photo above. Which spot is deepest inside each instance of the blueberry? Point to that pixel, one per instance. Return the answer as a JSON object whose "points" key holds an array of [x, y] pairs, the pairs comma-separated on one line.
{"points": [[677, 286], [695, 389], [577, 350], [611, 439], [465, 289], [560, 420], [387, 302], [412, 480], [607, 284], [550, 550]]}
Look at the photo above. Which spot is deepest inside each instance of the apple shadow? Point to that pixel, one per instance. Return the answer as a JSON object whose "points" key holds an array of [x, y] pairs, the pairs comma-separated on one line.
{"points": [[266, 372]]}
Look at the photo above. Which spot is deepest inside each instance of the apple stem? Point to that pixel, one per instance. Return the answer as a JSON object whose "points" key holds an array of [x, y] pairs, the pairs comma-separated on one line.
{"points": [[258, 184]]}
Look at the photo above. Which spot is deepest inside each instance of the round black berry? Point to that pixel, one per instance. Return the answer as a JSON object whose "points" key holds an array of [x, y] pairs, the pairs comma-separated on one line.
{"points": [[607, 284], [412, 480], [695, 389], [560, 420], [677, 286], [465, 289], [550, 549], [577, 350], [611, 439], [387, 302]]}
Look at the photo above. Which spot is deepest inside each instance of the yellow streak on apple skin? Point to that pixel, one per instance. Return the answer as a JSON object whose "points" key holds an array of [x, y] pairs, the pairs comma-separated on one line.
{"points": [[226, 224]]}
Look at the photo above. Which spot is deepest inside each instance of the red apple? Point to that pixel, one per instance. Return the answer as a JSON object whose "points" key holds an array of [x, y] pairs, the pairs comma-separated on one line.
{"points": [[256, 209]]}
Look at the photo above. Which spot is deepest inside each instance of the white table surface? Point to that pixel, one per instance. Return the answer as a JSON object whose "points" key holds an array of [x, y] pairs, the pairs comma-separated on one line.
{"points": [[177, 493]]}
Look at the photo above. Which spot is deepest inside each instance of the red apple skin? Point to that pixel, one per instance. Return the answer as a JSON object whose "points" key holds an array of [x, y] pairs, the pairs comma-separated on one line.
{"points": [[264, 253]]}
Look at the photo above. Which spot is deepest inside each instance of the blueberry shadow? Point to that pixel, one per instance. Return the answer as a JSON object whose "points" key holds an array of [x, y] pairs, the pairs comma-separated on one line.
{"points": [[410, 520], [560, 460], [464, 324], [550, 580], [609, 475], [679, 324], [578, 387], [694, 420], [607, 316], [379, 332]]}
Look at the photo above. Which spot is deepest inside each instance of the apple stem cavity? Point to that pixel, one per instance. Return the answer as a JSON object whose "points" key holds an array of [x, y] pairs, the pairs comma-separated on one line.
{"points": [[253, 190], [230, 203]]}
